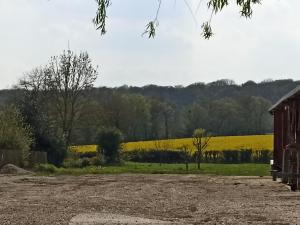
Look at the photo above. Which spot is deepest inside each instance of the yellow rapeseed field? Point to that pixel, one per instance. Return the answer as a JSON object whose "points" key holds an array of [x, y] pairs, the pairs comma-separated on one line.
{"points": [[84, 148], [254, 142]]}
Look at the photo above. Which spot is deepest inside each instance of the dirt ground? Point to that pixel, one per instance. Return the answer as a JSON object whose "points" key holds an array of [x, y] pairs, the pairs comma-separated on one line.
{"points": [[169, 199]]}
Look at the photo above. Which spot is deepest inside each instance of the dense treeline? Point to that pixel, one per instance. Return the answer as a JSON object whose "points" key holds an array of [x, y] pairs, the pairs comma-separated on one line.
{"points": [[155, 112]]}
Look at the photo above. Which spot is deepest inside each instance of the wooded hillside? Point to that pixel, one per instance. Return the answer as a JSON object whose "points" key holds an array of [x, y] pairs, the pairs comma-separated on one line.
{"points": [[155, 112]]}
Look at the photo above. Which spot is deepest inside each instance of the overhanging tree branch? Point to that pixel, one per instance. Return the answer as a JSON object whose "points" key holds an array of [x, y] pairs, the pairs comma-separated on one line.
{"points": [[215, 5]]}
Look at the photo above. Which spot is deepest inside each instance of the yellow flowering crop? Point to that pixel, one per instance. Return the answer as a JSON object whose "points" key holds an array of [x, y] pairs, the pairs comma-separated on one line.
{"points": [[83, 148], [254, 142]]}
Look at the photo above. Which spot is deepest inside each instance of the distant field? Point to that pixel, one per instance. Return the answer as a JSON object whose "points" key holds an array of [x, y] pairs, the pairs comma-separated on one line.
{"points": [[254, 142]]}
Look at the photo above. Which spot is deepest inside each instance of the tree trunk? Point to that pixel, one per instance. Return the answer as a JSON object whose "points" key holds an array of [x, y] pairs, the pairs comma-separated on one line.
{"points": [[160, 157], [166, 127], [198, 160]]}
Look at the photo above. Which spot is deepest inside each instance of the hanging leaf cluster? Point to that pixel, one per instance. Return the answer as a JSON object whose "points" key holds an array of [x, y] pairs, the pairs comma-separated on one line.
{"points": [[100, 19], [218, 5], [215, 6]]}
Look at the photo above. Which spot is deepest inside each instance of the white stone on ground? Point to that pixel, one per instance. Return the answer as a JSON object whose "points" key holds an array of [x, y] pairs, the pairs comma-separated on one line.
{"points": [[112, 219]]}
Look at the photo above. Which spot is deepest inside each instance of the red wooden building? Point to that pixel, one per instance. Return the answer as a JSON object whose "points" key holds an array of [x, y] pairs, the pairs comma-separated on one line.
{"points": [[287, 139]]}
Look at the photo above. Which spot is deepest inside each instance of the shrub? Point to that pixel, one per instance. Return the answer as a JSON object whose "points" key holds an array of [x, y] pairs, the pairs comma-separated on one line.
{"points": [[231, 156], [14, 134], [82, 162], [263, 156], [245, 155], [109, 144], [96, 161], [53, 145], [48, 168], [174, 156], [72, 163], [213, 156], [85, 162], [156, 156]]}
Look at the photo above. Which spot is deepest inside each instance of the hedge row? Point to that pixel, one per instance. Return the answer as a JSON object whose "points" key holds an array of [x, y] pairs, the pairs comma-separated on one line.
{"points": [[171, 156], [226, 156]]}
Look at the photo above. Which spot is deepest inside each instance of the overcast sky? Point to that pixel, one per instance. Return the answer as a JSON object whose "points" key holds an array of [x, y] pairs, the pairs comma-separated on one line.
{"points": [[267, 46]]}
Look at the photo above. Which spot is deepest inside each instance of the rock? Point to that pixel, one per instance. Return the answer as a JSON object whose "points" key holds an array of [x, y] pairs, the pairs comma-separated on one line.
{"points": [[117, 219], [12, 169]]}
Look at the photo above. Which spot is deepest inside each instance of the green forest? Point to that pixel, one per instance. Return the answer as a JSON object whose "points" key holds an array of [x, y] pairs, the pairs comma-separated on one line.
{"points": [[160, 112]]}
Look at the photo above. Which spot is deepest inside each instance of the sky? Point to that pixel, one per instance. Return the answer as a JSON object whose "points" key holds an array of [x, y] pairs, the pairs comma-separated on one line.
{"points": [[267, 46]]}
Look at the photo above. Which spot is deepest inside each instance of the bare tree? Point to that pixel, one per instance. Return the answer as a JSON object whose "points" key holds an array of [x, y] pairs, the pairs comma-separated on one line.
{"points": [[60, 87], [200, 141], [68, 76]]}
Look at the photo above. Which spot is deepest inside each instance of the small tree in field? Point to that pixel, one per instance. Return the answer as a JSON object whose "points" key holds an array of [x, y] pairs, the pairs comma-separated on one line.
{"points": [[109, 145], [187, 155], [200, 141]]}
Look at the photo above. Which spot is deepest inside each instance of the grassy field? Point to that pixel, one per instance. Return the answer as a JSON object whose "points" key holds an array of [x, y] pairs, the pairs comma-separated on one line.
{"points": [[155, 168], [254, 142]]}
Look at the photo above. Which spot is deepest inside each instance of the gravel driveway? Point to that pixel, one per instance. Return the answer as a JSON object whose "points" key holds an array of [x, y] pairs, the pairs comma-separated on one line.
{"points": [[146, 199]]}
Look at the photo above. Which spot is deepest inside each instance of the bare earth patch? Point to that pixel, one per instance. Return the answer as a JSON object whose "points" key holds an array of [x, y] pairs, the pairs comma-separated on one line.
{"points": [[146, 199]]}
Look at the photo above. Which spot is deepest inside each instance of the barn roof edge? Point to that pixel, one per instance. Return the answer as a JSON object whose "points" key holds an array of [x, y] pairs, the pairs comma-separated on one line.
{"points": [[284, 98]]}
